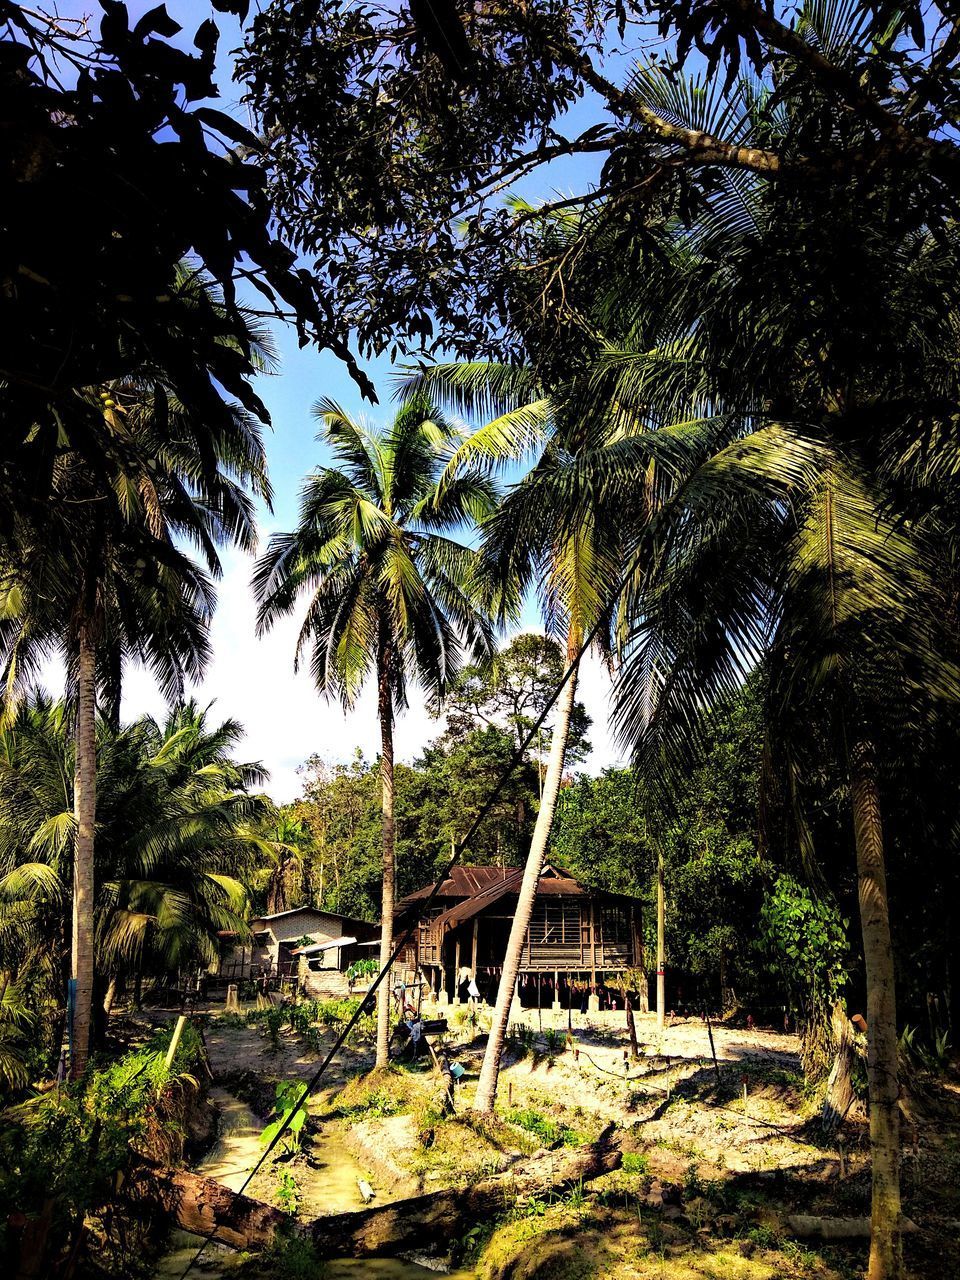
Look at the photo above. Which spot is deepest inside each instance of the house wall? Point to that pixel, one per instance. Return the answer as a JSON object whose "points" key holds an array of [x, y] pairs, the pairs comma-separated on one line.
{"points": [[325, 984], [319, 926], [566, 933]]}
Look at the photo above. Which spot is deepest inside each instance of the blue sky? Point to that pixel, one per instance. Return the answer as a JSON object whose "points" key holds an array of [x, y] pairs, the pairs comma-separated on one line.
{"points": [[252, 680]]}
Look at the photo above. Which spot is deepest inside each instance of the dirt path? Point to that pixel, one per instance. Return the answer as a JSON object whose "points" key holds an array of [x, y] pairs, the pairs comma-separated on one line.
{"points": [[233, 1048]]}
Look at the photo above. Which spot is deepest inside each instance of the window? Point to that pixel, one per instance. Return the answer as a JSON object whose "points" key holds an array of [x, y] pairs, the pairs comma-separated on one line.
{"points": [[555, 930], [615, 933]]}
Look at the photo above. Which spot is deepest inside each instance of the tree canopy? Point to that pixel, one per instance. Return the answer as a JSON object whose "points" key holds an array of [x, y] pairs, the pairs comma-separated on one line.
{"points": [[420, 117]]}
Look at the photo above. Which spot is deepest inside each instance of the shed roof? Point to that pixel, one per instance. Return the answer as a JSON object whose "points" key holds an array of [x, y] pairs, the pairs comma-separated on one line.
{"points": [[315, 911]]}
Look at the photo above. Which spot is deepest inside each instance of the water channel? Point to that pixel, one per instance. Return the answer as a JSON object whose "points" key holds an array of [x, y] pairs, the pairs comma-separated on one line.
{"points": [[329, 1186]]}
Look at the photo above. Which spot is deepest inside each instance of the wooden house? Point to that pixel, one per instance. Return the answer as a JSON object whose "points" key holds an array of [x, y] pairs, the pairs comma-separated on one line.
{"points": [[576, 934]]}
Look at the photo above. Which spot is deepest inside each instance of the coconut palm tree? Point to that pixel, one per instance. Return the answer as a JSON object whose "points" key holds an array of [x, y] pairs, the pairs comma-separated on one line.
{"points": [[97, 574], [796, 525], [535, 541], [390, 591], [283, 840], [173, 814]]}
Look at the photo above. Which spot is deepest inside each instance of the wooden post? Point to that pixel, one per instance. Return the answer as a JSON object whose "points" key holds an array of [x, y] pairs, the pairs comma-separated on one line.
{"points": [[442, 998], [476, 934], [631, 1024], [174, 1041], [593, 946], [456, 970]]}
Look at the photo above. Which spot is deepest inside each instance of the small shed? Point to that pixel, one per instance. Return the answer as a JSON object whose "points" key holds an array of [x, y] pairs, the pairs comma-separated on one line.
{"points": [[326, 940]]}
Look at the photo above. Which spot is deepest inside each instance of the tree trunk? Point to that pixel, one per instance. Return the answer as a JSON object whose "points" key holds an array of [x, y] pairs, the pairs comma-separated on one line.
{"points": [[85, 812], [490, 1070], [839, 1095], [423, 1222], [631, 1024], [434, 1220], [203, 1205], [661, 944], [111, 996], [385, 711], [886, 1249]]}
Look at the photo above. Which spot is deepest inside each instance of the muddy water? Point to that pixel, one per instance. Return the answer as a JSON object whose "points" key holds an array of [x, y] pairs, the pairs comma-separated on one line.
{"points": [[385, 1269], [329, 1185]]}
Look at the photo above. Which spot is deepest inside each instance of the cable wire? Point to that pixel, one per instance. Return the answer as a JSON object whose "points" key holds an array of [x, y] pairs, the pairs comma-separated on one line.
{"points": [[460, 849]]}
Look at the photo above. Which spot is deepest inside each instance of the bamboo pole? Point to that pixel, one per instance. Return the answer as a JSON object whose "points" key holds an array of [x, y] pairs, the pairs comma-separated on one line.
{"points": [[175, 1040]]}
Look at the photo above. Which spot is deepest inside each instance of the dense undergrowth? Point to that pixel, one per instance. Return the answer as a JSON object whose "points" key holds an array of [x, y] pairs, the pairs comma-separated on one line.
{"points": [[63, 1150]]}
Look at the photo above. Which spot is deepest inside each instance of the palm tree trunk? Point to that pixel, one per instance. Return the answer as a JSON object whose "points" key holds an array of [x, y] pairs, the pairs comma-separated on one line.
{"points": [[385, 711], [886, 1252], [661, 944], [85, 812], [109, 1000], [489, 1072]]}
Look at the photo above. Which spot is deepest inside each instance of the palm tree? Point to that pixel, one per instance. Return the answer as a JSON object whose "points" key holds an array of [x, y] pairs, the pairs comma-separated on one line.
{"points": [[97, 576], [543, 537], [177, 814], [283, 840], [390, 591], [173, 814], [789, 527]]}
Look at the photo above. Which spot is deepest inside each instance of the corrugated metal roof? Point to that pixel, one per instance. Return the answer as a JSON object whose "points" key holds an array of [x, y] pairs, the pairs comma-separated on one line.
{"points": [[462, 882], [553, 883], [316, 911], [471, 906]]}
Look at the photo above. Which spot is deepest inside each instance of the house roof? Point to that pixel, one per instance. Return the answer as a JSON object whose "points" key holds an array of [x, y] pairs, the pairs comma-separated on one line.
{"points": [[472, 906], [315, 948], [554, 882], [462, 882], [315, 911]]}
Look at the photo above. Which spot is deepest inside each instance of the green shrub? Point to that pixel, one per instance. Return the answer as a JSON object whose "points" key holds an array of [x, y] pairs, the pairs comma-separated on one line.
{"points": [[380, 1102], [763, 1237], [555, 1039], [368, 968], [69, 1145], [288, 1190], [291, 1257], [547, 1130], [274, 1019], [693, 1184], [290, 1115], [635, 1162], [521, 1039]]}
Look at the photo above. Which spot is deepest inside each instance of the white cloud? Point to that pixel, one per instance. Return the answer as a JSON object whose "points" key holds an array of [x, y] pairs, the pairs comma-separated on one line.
{"points": [[252, 680]]}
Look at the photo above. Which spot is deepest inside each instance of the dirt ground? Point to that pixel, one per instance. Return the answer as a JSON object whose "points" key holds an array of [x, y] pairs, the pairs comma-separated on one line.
{"points": [[722, 1147]]}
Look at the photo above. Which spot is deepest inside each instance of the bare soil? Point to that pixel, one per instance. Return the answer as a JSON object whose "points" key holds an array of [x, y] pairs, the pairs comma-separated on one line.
{"points": [[710, 1178]]}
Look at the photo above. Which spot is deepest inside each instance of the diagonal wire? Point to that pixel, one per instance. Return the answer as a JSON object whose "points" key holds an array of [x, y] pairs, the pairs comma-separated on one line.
{"points": [[460, 849]]}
